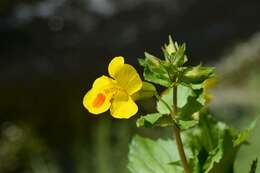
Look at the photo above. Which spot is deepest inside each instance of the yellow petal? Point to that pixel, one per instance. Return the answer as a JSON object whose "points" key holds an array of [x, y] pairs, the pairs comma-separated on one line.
{"points": [[128, 78], [96, 101], [207, 85], [115, 65], [102, 81], [123, 108], [210, 83]]}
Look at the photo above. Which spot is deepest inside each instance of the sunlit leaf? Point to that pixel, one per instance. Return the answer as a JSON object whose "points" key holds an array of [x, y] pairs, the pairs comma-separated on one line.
{"points": [[148, 156], [188, 101], [154, 120]]}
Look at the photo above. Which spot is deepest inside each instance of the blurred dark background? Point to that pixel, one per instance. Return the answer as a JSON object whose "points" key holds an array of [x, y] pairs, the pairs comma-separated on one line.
{"points": [[52, 50]]}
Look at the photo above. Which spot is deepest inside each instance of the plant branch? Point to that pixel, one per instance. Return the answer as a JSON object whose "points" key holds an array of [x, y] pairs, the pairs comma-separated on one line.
{"points": [[177, 134]]}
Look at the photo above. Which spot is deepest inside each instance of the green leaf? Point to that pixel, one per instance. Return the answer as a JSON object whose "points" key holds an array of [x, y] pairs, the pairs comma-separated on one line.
{"points": [[184, 125], [167, 97], [188, 101], [187, 105], [159, 120], [242, 137], [222, 158], [148, 156], [192, 106], [253, 166], [159, 77], [148, 90], [195, 163], [154, 120]]}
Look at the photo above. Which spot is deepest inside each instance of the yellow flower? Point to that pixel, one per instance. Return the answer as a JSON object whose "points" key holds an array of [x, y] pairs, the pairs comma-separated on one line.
{"points": [[115, 92], [207, 85]]}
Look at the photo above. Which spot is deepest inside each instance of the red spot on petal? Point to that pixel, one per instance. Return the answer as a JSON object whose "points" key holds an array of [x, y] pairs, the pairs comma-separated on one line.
{"points": [[99, 100]]}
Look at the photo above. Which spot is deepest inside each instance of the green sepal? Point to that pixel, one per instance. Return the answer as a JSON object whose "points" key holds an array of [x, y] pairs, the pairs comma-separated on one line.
{"points": [[197, 74], [179, 58], [171, 47], [172, 70], [148, 90], [174, 53]]}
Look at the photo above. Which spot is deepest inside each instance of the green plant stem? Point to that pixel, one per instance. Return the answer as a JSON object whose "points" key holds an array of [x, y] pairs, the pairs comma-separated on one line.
{"points": [[177, 134]]}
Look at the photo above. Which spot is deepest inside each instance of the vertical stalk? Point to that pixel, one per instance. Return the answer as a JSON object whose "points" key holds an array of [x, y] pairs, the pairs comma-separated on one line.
{"points": [[177, 134]]}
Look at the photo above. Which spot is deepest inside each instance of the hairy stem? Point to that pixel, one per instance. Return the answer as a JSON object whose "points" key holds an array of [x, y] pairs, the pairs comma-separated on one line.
{"points": [[177, 134]]}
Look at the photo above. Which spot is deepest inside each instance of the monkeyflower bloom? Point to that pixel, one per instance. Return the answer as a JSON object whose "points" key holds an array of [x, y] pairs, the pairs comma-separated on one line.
{"points": [[114, 92]]}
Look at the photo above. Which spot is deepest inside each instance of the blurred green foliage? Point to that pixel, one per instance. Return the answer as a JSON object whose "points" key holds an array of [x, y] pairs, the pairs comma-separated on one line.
{"points": [[237, 97], [23, 151]]}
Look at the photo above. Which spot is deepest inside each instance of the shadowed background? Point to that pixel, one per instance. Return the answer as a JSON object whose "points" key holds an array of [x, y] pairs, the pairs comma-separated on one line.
{"points": [[52, 50]]}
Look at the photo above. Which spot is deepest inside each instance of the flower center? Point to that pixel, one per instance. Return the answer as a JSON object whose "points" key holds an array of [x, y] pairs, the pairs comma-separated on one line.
{"points": [[100, 99], [117, 92]]}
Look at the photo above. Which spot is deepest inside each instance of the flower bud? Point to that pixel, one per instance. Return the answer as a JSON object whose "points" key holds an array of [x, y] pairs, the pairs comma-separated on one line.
{"points": [[197, 74]]}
